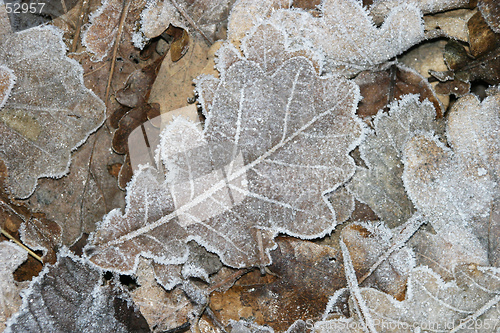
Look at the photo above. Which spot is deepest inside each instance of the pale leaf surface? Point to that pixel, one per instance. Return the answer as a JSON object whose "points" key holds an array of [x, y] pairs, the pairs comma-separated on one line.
{"points": [[239, 182], [381, 186], [431, 305], [11, 256], [380, 8], [356, 44], [49, 113]]}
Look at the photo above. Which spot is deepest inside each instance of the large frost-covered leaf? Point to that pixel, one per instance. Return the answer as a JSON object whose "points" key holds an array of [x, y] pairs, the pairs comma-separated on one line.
{"points": [[275, 143], [381, 186], [70, 297], [49, 112], [347, 35], [431, 305]]}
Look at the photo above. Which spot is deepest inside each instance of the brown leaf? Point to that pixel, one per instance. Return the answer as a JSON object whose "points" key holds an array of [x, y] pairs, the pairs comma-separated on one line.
{"points": [[491, 13], [381, 88], [42, 234], [180, 42], [454, 87], [79, 200], [304, 275], [7, 79], [481, 38], [138, 86]]}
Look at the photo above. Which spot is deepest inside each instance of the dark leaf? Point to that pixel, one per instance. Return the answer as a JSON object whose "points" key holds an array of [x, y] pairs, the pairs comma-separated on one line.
{"points": [[481, 38]]}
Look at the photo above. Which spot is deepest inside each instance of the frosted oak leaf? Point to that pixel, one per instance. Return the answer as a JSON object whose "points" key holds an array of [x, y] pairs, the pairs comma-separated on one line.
{"points": [[348, 36], [49, 112], [275, 143]]}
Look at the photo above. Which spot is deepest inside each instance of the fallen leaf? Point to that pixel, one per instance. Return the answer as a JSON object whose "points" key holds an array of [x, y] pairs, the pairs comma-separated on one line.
{"points": [[356, 43], [249, 171], [11, 257], [380, 88], [303, 275], [77, 201], [380, 185], [431, 304], [70, 297], [42, 234], [7, 80], [163, 310], [49, 113], [481, 38], [381, 8], [490, 10], [206, 17], [452, 24]]}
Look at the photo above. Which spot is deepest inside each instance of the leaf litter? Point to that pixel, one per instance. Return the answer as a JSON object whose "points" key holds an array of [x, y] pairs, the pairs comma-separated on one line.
{"points": [[386, 278]]}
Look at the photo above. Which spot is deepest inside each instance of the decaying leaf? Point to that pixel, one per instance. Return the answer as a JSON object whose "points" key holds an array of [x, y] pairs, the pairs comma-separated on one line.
{"points": [[49, 112], [304, 275], [70, 297], [481, 38], [490, 9], [381, 8], [77, 201], [367, 242], [380, 88], [162, 309], [42, 234], [7, 79], [206, 17], [463, 178], [381, 186], [235, 185], [431, 305], [11, 256], [452, 24], [356, 44]]}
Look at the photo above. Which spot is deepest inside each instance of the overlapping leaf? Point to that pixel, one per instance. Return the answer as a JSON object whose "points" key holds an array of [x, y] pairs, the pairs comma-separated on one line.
{"points": [[70, 297], [270, 130], [381, 186], [347, 35], [49, 112]]}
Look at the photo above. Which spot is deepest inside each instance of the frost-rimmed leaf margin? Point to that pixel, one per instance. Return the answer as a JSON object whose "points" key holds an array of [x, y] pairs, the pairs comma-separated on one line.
{"points": [[12, 81], [77, 73]]}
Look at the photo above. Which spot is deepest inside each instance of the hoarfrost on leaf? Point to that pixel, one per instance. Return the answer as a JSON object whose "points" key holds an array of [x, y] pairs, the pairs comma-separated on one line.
{"points": [[381, 185], [11, 256], [69, 296], [239, 182], [470, 299], [7, 80], [49, 112], [356, 44]]}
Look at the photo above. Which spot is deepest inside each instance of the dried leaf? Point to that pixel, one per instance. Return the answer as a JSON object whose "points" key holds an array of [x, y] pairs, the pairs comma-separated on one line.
{"points": [[163, 310], [481, 38], [380, 186], [356, 44], [42, 234], [304, 274], [77, 201], [7, 80], [49, 113], [366, 243], [491, 13], [463, 179], [70, 297], [11, 256], [380, 88], [204, 16], [431, 304], [452, 24], [248, 166], [381, 8]]}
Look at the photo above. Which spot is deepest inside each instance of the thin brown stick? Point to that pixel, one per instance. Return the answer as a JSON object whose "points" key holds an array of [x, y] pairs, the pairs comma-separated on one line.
{"points": [[123, 16], [78, 28], [9, 236]]}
